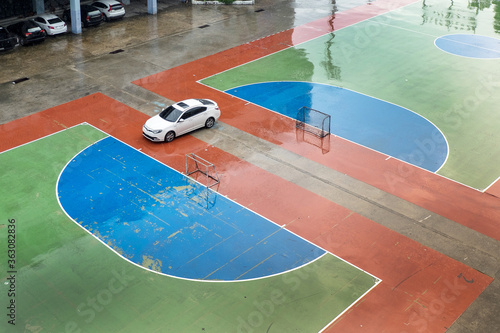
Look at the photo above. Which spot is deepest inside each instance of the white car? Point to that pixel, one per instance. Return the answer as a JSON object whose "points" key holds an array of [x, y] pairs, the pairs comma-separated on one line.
{"points": [[52, 24], [111, 9], [181, 118]]}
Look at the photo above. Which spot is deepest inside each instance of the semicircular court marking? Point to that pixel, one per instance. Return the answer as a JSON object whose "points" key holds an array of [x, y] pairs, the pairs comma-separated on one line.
{"points": [[160, 219], [371, 122], [470, 46]]}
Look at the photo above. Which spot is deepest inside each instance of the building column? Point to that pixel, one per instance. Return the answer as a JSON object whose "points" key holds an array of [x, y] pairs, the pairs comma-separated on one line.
{"points": [[152, 7], [76, 19], [39, 6]]}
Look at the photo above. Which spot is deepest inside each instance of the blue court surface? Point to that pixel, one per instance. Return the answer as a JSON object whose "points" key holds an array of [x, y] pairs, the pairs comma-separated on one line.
{"points": [[159, 219], [470, 46], [371, 122]]}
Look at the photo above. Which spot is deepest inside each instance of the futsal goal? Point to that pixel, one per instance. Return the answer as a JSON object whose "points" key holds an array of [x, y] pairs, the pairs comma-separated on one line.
{"points": [[201, 170], [313, 121]]}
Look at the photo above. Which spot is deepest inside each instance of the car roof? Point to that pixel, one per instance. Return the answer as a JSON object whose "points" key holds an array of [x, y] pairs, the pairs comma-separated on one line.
{"points": [[48, 16], [88, 6], [29, 23], [109, 2], [189, 102]]}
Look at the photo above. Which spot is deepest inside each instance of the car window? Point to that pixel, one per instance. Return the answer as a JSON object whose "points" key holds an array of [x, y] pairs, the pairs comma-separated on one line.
{"points": [[31, 24], [116, 7], [54, 20], [171, 114], [205, 102], [188, 114], [198, 110], [182, 105], [34, 29], [39, 19], [92, 10]]}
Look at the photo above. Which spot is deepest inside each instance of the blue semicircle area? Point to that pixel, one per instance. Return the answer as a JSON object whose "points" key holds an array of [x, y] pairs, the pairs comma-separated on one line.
{"points": [[373, 123], [470, 46], [160, 219]]}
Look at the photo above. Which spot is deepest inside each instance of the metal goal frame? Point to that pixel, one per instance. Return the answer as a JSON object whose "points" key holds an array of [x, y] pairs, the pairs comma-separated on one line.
{"points": [[194, 164], [313, 121]]}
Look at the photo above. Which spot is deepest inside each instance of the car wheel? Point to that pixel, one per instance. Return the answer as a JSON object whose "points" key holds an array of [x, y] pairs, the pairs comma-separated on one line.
{"points": [[22, 41], [170, 136], [210, 122]]}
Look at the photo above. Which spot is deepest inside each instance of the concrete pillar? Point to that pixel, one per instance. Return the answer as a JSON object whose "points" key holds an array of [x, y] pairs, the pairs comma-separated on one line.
{"points": [[152, 7], [76, 18], [39, 6]]}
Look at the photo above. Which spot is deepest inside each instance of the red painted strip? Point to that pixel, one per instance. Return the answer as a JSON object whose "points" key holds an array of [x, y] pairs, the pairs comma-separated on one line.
{"points": [[421, 289], [494, 189]]}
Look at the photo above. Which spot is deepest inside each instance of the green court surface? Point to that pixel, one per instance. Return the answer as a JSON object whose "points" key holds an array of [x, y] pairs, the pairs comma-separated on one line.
{"points": [[392, 57], [69, 281]]}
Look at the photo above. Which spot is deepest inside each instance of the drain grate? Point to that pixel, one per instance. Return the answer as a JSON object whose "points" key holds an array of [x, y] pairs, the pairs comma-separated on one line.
{"points": [[116, 51], [20, 80], [204, 26]]}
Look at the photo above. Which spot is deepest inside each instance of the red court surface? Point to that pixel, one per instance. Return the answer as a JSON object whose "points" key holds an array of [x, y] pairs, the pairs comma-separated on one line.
{"points": [[494, 189], [421, 289], [469, 207]]}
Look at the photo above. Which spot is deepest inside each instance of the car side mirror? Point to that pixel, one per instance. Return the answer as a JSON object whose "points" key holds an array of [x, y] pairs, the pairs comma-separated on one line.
{"points": [[181, 120]]}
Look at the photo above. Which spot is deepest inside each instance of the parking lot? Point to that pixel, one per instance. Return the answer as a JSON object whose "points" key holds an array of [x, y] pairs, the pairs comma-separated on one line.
{"points": [[69, 66]]}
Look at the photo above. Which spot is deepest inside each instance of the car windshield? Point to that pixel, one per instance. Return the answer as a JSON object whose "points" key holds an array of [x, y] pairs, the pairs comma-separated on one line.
{"points": [[54, 20], [171, 114], [116, 7]]}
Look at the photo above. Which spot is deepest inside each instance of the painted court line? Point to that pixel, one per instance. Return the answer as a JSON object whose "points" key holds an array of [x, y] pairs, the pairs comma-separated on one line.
{"points": [[239, 205], [268, 95]]}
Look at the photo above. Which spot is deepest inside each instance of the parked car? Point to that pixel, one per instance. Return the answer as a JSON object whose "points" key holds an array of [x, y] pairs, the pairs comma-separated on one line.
{"points": [[90, 15], [111, 9], [7, 40], [181, 118], [51, 23], [28, 32]]}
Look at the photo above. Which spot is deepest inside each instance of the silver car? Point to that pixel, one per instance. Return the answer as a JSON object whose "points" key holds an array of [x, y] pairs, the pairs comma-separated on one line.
{"points": [[111, 9], [181, 118], [52, 24]]}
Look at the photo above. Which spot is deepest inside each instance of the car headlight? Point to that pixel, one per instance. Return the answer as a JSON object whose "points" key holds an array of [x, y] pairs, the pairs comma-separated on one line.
{"points": [[152, 130]]}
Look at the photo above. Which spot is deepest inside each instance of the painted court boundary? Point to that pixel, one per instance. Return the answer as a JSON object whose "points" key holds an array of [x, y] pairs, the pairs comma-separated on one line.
{"points": [[377, 280], [34, 273], [462, 204], [410, 272], [356, 143], [414, 276]]}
